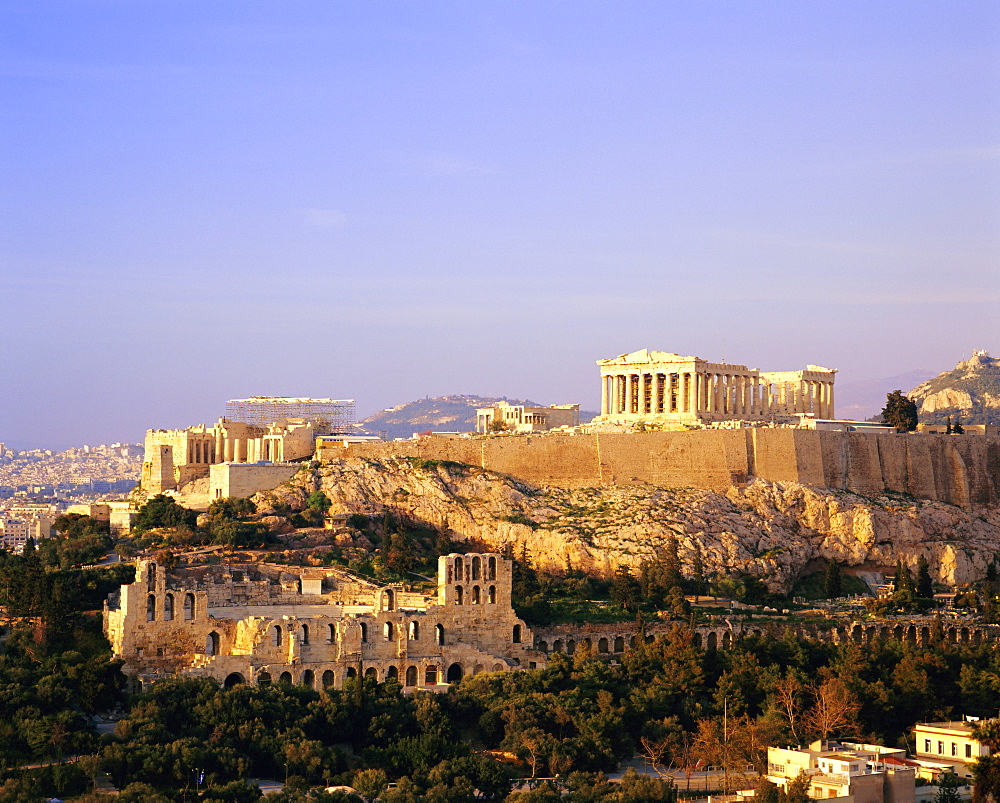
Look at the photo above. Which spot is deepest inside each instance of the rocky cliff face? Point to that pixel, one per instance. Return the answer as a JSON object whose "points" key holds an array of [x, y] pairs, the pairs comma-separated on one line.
{"points": [[971, 391], [773, 530]]}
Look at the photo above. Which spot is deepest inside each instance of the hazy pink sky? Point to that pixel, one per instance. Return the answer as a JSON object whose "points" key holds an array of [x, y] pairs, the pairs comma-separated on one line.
{"points": [[384, 201]]}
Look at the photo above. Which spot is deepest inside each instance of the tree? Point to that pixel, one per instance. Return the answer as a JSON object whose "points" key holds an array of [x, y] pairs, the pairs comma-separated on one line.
{"points": [[370, 783], [957, 427], [797, 790], [319, 501], [163, 511], [833, 581], [835, 710], [948, 785], [948, 428], [986, 770], [925, 586], [765, 791], [625, 589], [900, 412]]}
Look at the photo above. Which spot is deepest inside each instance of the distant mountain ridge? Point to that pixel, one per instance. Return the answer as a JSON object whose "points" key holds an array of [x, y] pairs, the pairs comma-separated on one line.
{"points": [[455, 413], [970, 392], [864, 399]]}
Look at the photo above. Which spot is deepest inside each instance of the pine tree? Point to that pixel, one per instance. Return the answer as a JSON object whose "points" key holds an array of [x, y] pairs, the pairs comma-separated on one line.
{"points": [[957, 428], [925, 586], [833, 582], [900, 412]]}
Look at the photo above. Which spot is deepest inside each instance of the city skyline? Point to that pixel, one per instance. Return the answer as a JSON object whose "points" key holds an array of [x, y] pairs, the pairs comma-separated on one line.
{"points": [[386, 202]]}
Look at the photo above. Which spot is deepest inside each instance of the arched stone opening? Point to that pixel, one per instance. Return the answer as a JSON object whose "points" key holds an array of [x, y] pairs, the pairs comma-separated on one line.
{"points": [[492, 568], [233, 679], [517, 634], [331, 634], [276, 636], [411, 676], [414, 631], [305, 635], [543, 646], [389, 600], [389, 631], [309, 679], [459, 563], [168, 608], [439, 634], [713, 641], [151, 608], [454, 673], [351, 673], [285, 679], [392, 673], [557, 645], [430, 676], [189, 606], [619, 644], [371, 672], [212, 644], [327, 678], [497, 667], [476, 599], [570, 647], [459, 595], [364, 632], [475, 568], [491, 595], [264, 679], [602, 645]]}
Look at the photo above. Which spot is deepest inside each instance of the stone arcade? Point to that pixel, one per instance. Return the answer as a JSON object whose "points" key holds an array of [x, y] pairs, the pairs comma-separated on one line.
{"points": [[260, 623], [658, 386]]}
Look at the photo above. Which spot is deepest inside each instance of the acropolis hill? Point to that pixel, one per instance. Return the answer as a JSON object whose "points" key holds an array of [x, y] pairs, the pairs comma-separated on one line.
{"points": [[740, 452]]}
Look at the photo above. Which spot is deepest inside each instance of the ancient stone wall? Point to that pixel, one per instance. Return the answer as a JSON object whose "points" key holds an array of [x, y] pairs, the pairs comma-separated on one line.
{"points": [[959, 469], [317, 627]]}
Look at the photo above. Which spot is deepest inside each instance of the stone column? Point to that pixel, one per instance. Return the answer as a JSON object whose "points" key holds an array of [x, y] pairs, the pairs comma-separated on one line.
{"points": [[228, 450], [654, 396], [831, 412], [220, 454], [604, 395], [640, 389], [628, 393], [741, 395]]}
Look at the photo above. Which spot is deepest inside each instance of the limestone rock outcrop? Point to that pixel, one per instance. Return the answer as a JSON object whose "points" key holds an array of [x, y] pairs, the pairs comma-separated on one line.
{"points": [[970, 391], [774, 530]]}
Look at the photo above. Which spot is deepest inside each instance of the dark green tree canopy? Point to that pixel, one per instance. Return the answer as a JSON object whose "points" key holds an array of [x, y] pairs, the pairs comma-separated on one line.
{"points": [[900, 411]]}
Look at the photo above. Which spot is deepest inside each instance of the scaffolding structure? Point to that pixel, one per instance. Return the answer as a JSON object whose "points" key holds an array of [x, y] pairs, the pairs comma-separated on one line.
{"points": [[328, 416]]}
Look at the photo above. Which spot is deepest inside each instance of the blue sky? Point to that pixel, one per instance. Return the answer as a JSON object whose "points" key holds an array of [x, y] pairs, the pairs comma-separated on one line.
{"points": [[387, 200]]}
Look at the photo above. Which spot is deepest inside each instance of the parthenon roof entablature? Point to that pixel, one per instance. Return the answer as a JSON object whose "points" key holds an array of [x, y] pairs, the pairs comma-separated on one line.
{"points": [[646, 357]]}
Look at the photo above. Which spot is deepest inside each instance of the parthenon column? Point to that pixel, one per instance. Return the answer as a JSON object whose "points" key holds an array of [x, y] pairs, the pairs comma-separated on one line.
{"points": [[641, 390], [654, 396], [831, 410], [628, 393]]}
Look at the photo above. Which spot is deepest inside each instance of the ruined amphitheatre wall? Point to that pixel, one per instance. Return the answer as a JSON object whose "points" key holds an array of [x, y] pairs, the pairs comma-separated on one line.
{"points": [[962, 470]]}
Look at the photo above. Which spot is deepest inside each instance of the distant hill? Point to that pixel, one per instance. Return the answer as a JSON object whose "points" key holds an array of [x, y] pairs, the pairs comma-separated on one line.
{"points": [[442, 414], [970, 392], [864, 399]]}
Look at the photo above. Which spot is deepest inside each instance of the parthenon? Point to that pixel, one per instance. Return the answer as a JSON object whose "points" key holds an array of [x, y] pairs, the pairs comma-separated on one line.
{"points": [[662, 387]]}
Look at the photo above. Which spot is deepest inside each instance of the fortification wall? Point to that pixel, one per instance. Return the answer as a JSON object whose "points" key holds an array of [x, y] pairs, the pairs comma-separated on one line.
{"points": [[959, 469]]}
